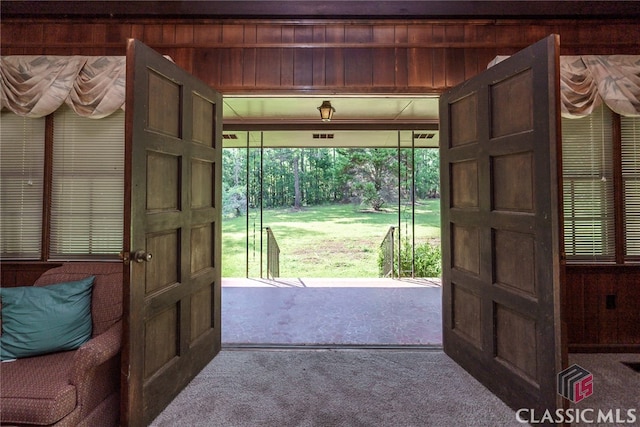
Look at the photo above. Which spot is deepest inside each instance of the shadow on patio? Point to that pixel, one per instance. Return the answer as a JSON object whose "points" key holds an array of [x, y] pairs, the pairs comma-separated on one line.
{"points": [[331, 312]]}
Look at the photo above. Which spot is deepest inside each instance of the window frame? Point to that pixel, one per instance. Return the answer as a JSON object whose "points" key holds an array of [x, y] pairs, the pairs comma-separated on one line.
{"points": [[633, 258], [588, 186], [620, 257], [18, 165], [45, 252], [80, 142]]}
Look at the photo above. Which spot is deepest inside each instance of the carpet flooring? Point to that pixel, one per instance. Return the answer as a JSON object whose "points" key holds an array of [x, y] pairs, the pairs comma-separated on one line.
{"points": [[616, 386], [341, 388], [368, 388]]}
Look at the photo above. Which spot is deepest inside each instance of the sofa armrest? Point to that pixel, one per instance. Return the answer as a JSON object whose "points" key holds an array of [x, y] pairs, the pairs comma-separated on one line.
{"points": [[96, 369], [95, 352]]}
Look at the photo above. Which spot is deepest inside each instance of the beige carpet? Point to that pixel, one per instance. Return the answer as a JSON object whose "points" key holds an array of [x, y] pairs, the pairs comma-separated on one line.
{"points": [[616, 387], [368, 388], [334, 388]]}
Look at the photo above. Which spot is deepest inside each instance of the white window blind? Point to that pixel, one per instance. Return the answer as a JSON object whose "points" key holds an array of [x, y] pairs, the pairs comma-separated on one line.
{"points": [[630, 136], [87, 185], [21, 185], [588, 187]]}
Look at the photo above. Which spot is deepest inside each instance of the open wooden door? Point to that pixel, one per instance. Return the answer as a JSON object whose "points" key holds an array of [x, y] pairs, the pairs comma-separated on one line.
{"points": [[172, 232], [500, 140]]}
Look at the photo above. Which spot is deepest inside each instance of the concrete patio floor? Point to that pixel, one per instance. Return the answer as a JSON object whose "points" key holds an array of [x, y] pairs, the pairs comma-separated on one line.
{"points": [[331, 312]]}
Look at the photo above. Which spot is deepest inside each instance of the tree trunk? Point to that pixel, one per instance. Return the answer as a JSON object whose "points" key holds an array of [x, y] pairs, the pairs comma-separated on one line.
{"points": [[296, 182]]}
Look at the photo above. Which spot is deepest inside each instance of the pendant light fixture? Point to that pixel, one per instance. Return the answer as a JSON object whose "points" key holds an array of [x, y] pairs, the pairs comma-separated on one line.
{"points": [[326, 111]]}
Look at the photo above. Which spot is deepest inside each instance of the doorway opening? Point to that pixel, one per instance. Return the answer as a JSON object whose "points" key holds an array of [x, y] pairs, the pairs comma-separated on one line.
{"points": [[331, 211], [312, 194]]}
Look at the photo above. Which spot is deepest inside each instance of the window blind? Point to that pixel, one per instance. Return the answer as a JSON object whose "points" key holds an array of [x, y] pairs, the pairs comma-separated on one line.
{"points": [[87, 185], [588, 187], [630, 138], [21, 185]]}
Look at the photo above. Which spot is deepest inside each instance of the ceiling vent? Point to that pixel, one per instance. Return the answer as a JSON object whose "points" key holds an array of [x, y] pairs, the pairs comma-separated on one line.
{"points": [[423, 135], [322, 136], [229, 136]]}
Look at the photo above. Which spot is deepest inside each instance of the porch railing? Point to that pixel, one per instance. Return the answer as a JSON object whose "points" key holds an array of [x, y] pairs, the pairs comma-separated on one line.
{"points": [[388, 253], [273, 255]]}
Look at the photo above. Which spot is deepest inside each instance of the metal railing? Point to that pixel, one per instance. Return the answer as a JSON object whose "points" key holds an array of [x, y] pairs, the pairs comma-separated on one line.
{"points": [[388, 253], [273, 255]]}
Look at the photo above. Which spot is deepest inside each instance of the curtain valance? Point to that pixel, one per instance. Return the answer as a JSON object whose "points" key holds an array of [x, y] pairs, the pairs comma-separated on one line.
{"points": [[587, 81], [35, 86]]}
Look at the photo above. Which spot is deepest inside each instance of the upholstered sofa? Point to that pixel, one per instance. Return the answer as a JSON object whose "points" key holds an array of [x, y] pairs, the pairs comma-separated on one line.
{"points": [[77, 387]]}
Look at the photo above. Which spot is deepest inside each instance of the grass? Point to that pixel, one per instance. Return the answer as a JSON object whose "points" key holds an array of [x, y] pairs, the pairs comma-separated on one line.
{"points": [[337, 240]]}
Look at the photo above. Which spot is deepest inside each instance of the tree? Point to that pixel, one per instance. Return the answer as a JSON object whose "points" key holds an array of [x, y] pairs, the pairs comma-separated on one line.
{"points": [[371, 175], [234, 167], [295, 177], [234, 194], [427, 173], [234, 201], [297, 195]]}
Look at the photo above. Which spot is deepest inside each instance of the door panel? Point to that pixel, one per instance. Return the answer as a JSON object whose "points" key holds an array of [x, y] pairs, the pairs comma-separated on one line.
{"points": [[172, 232], [500, 227]]}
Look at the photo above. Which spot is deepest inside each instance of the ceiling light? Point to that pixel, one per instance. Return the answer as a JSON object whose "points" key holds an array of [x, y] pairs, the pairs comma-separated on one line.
{"points": [[326, 111]]}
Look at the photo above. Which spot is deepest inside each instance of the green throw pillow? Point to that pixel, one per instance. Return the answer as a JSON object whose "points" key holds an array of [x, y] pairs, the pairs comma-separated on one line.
{"points": [[44, 319]]}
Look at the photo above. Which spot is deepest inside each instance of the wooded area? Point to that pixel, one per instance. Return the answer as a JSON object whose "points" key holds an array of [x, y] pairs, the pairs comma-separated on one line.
{"points": [[297, 177]]}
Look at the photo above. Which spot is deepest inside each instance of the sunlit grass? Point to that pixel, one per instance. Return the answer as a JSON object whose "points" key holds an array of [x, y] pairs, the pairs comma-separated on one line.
{"points": [[322, 241]]}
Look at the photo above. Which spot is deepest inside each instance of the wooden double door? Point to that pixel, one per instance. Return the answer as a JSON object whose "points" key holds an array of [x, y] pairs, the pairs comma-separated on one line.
{"points": [[500, 229]]}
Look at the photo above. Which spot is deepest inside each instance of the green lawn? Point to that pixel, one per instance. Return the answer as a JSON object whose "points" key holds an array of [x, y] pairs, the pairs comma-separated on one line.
{"points": [[321, 241]]}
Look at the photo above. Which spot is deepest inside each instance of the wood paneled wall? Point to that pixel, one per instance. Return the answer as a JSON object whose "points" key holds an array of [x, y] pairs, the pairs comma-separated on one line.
{"points": [[321, 56], [23, 273], [603, 308]]}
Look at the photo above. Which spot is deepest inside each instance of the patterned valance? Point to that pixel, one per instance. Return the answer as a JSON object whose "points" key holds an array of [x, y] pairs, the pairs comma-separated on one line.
{"points": [[35, 86], [586, 81], [94, 86]]}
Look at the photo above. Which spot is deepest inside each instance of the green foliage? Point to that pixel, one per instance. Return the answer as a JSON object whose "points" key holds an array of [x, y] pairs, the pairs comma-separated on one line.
{"points": [[428, 260], [327, 234], [370, 176], [427, 174], [372, 197], [333, 240], [234, 201]]}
